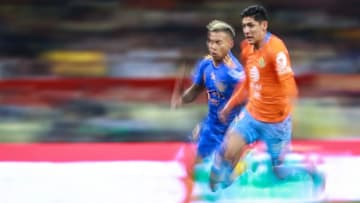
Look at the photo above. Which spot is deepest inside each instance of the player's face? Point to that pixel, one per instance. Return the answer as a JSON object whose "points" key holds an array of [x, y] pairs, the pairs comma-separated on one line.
{"points": [[254, 31], [219, 44]]}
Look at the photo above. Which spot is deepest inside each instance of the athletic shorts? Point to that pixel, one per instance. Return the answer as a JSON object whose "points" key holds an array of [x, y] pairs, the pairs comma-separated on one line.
{"points": [[209, 139], [276, 136]]}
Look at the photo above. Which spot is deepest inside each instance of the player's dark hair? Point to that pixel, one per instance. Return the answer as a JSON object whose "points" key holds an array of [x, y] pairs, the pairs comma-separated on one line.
{"points": [[258, 12]]}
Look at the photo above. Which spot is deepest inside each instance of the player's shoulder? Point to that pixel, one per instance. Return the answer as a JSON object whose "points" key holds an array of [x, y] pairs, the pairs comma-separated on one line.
{"points": [[204, 61], [245, 48], [276, 42], [244, 44], [207, 57], [276, 47]]}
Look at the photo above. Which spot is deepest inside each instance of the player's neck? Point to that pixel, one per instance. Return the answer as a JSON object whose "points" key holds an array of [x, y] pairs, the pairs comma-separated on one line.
{"points": [[216, 63], [261, 42]]}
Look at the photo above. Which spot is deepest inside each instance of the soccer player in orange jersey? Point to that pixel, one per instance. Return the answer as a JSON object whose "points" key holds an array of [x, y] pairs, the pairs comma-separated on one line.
{"points": [[270, 90]]}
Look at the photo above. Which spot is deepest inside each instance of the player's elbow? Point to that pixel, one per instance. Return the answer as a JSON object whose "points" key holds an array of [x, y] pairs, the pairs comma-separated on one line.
{"points": [[188, 98]]}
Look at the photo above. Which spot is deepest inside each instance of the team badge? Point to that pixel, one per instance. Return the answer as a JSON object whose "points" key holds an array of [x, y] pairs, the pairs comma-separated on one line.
{"points": [[220, 86], [261, 62]]}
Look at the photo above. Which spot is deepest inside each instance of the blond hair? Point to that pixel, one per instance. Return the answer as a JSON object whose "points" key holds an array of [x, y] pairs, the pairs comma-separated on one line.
{"points": [[218, 25]]}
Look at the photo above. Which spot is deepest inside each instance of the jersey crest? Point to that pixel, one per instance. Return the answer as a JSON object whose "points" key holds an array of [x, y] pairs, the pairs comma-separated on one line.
{"points": [[220, 86], [261, 62]]}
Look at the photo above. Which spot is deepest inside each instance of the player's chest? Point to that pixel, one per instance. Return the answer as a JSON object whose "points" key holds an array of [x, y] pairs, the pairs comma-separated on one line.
{"points": [[259, 66], [216, 78]]}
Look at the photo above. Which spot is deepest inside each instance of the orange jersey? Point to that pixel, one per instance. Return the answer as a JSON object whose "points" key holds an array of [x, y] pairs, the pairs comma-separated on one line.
{"points": [[270, 83]]}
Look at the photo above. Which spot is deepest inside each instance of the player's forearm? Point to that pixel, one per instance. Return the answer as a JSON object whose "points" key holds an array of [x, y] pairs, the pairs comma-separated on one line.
{"points": [[191, 94], [187, 98], [237, 98]]}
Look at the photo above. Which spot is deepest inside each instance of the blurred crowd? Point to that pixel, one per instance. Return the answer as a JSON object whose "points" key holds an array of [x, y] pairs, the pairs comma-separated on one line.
{"points": [[142, 39]]}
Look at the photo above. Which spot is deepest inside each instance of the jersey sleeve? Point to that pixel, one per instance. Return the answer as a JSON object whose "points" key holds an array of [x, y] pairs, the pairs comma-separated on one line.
{"points": [[239, 96], [198, 72], [281, 59]]}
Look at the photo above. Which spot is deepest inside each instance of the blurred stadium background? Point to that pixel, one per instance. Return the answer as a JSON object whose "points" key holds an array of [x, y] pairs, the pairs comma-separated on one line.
{"points": [[97, 75]]}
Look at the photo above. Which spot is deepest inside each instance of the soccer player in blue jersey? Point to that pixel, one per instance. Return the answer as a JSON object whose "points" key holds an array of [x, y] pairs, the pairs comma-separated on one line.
{"points": [[218, 74]]}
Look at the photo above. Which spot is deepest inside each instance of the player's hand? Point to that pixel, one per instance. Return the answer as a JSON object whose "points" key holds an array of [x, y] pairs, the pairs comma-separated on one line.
{"points": [[195, 133], [224, 114], [176, 101]]}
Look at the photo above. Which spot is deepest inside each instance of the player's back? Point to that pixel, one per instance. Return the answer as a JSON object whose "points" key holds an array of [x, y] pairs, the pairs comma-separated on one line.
{"points": [[270, 79]]}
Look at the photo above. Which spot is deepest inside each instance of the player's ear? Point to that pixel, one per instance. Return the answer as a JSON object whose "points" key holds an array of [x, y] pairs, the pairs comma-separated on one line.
{"points": [[231, 43], [264, 25]]}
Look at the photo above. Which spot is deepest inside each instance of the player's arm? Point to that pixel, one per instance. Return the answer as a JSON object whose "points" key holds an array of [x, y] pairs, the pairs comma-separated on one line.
{"points": [[198, 83], [187, 96], [238, 97], [191, 93], [241, 90], [290, 88], [284, 72]]}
